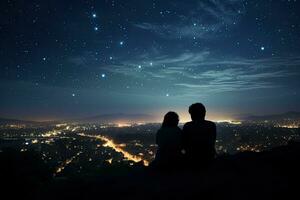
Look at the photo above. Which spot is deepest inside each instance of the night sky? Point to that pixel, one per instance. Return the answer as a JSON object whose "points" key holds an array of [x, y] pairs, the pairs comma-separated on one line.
{"points": [[76, 58]]}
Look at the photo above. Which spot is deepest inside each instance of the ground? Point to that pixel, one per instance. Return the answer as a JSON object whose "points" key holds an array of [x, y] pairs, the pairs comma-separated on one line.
{"points": [[248, 175]]}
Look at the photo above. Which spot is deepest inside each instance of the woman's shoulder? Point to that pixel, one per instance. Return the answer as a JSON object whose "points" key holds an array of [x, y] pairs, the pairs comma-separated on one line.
{"points": [[169, 129], [178, 129]]}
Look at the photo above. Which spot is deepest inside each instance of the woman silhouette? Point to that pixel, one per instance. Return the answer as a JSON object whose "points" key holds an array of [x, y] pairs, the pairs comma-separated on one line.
{"points": [[168, 139]]}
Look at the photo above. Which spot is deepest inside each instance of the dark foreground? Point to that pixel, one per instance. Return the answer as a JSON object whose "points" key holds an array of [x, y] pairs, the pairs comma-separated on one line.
{"points": [[267, 175]]}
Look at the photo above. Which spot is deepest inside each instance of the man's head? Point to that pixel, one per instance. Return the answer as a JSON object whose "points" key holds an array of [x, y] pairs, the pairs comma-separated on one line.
{"points": [[197, 111]]}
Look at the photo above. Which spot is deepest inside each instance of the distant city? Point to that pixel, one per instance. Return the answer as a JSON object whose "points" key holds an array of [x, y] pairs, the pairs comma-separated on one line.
{"points": [[82, 148]]}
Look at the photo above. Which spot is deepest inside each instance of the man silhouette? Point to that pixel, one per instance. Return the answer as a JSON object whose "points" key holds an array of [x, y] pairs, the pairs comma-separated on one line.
{"points": [[199, 138]]}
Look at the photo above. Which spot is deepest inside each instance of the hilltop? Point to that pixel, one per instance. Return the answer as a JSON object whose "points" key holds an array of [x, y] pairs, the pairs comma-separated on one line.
{"points": [[246, 175]]}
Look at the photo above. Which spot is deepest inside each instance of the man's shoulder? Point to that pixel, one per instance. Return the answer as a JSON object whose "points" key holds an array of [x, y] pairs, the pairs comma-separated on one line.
{"points": [[158, 132], [210, 123], [206, 122], [188, 124]]}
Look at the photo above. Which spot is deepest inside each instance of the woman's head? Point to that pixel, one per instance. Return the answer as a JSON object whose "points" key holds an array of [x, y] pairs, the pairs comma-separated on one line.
{"points": [[171, 119]]}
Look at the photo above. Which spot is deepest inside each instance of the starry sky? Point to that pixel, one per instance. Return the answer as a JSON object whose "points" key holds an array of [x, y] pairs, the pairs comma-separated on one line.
{"points": [[69, 59]]}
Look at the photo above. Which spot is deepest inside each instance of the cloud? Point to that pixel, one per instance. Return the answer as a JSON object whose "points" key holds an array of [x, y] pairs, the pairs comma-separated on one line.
{"points": [[205, 19], [194, 73], [234, 79], [176, 31], [190, 73]]}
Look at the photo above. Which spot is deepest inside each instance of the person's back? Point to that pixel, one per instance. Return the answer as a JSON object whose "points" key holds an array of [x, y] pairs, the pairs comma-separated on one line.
{"points": [[199, 137], [168, 140], [199, 140]]}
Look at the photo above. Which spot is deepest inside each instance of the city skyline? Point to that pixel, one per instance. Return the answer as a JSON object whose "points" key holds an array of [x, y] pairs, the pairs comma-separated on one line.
{"points": [[64, 60]]}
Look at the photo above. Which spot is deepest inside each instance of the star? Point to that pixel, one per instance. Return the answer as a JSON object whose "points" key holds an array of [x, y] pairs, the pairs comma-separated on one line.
{"points": [[151, 64], [121, 43], [73, 95], [94, 15], [167, 95], [96, 28], [262, 48], [44, 59], [110, 58], [140, 67], [103, 75]]}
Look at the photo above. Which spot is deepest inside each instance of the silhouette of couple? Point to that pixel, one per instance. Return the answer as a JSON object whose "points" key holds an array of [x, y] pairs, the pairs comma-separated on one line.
{"points": [[191, 147]]}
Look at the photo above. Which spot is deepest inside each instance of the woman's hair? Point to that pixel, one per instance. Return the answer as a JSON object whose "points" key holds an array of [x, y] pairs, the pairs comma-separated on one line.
{"points": [[171, 119]]}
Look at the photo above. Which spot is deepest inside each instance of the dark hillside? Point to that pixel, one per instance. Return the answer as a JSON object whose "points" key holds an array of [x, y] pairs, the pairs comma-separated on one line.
{"points": [[266, 175]]}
